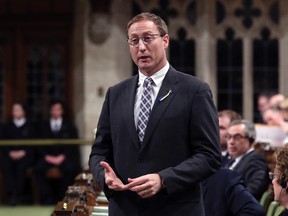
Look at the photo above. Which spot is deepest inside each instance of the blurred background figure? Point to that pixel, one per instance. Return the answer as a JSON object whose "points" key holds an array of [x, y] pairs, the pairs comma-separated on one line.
{"points": [[225, 118], [276, 117], [280, 178], [17, 158], [275, 100], [65, 158], [262, 105]]}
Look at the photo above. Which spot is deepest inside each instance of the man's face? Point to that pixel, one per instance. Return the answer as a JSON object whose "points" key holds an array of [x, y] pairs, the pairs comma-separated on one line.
{"points": [[148, 57], [263, 103], [272, 117], [224, 122], [237, 141], [56, 111], [17, 111]]}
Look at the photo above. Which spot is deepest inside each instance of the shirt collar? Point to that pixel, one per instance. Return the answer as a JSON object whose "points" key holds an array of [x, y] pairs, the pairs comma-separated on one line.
{"points": [[156, 77], [19, 122], [224, 153], [56, 121]]}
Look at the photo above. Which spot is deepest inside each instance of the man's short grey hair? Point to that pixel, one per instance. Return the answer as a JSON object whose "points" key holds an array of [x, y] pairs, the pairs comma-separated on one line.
{"points": [[250, 131]]}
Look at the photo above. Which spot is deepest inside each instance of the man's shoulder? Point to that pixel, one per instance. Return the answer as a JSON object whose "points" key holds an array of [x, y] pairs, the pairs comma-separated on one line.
{"points": [[254, 155], [125, 82], [253, 159], [187, 80], [184, 76]]}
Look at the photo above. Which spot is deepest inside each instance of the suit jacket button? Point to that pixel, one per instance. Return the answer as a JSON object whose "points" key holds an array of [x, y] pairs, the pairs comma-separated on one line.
{"points": [[140, 160]]}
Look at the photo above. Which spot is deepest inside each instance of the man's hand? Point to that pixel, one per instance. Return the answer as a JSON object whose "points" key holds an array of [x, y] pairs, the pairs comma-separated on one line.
{"points": [[145, 186], [17, 154], [111, 180], [55, 160]]}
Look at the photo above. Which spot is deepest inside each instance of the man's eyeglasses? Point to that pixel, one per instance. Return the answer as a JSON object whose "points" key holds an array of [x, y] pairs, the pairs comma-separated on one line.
{"points": [[147, 39], [235, 137]]}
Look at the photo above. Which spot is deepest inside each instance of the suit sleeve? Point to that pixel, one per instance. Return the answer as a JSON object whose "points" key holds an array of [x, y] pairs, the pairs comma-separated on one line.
{"points": [[102, 147], [239, 200]]}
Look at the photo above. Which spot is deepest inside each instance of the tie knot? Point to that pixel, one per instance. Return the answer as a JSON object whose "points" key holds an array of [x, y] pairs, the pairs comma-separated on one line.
{"points": [[148, 81]]}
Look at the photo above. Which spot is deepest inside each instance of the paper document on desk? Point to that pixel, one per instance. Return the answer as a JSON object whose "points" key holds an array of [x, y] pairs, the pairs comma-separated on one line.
{"points": [[274, 136]]}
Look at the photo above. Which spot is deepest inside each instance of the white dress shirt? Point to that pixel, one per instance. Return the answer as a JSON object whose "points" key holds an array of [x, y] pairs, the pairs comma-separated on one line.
{"points": [[19, 122], [55, 124], [237, 159]]}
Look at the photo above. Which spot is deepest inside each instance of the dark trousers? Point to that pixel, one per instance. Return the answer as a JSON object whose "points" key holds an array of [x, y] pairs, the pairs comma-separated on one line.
{"points": [[53, 190], [15, 176]]}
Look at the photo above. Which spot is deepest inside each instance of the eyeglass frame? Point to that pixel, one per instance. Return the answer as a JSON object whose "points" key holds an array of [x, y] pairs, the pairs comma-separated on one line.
{"points": [[236, 137], [273, 175], [154, 36]]}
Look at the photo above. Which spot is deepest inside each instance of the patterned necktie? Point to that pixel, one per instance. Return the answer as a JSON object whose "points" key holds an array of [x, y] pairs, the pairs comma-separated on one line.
{"points": [[145, 107]]}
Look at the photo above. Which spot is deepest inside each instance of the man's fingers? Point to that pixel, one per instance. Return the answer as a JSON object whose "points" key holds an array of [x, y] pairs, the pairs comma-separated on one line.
{"points": [[106, 166]]}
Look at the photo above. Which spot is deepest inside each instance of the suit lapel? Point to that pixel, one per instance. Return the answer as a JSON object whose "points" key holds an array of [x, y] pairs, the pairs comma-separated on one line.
{"points": [[243, 161], [128, 102], [166, 94]]}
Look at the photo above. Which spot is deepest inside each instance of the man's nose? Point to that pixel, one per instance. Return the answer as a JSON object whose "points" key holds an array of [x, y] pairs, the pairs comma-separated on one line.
{"points": [[141, 45], [230, 142]]}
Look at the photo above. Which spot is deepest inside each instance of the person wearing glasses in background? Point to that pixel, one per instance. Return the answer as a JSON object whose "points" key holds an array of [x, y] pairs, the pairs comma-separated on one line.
{"points": [[244, 159], [280, 178], [157, 136], [225, 118]]}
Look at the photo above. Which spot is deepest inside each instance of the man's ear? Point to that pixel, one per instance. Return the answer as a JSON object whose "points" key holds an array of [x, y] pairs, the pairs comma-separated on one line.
{"points": [[166, 41]]}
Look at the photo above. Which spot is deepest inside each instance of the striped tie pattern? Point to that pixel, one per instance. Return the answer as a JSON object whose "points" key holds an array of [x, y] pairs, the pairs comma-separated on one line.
{"points": [[145, 108]]}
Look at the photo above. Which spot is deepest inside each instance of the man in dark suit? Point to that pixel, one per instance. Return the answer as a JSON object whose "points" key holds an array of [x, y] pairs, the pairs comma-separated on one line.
{"points": [[158, 173], [17, 158], [252, 165], [225, 194], [61, 156]]}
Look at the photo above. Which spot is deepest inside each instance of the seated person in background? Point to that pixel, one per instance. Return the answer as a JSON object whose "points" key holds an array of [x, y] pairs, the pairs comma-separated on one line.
{"points": [[280, 178], [275, 100], [275, 117], [262, 105], [225, 194], [252, 165], [61, 156], [225, 118], [17, 158]]}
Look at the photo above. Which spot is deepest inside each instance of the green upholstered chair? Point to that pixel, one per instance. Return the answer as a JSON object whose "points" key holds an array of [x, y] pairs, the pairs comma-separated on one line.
{"points": [[272, 208], [266, 199], [279, 209]]}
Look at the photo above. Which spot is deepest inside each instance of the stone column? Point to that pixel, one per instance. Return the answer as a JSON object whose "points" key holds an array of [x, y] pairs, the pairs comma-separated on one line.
{"points": [[247, 78], [97, 66], [283, 48], [205, 45]]}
